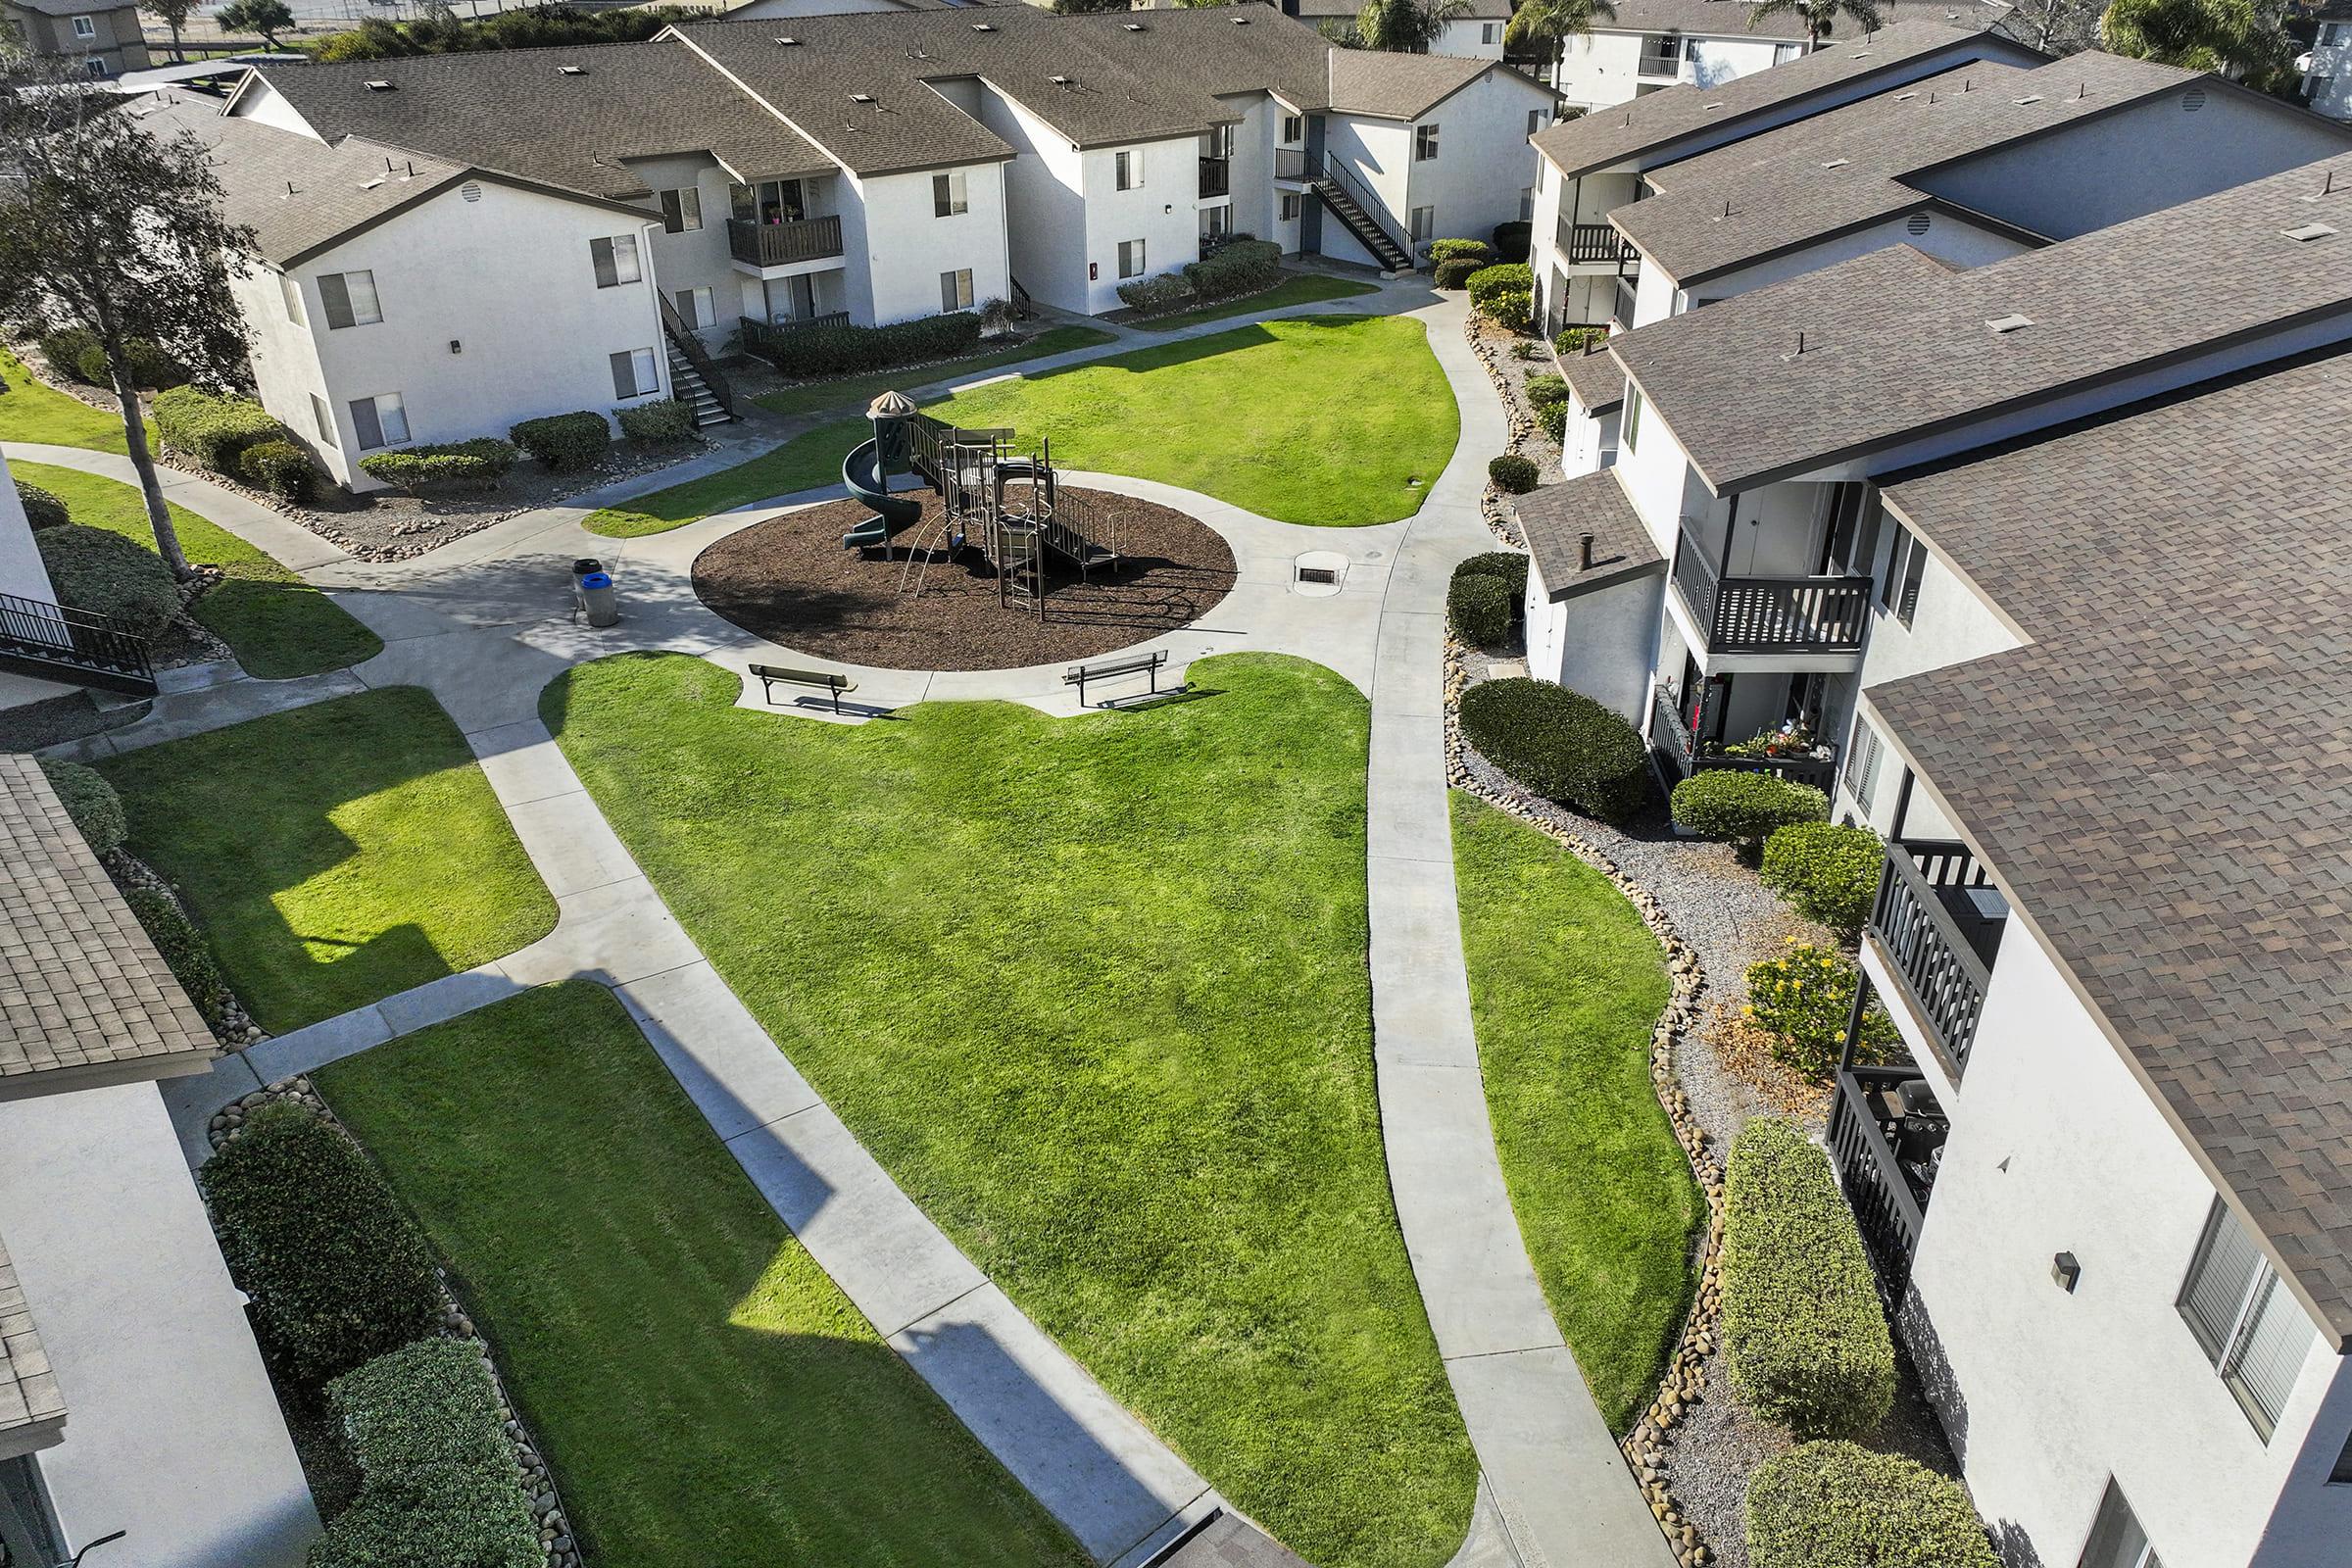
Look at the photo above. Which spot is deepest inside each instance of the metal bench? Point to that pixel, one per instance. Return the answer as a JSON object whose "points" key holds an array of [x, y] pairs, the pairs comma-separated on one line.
{"points": [[1140, 664], [828, 680]]}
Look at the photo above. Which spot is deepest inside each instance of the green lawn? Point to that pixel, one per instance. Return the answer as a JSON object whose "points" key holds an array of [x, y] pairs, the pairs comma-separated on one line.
{"points": [[1301, 288], [335, 854], [278, 624], [707, 1397], [1094, 991], [1332, 419], [1566, 984], [856, 392], [32, 410]]}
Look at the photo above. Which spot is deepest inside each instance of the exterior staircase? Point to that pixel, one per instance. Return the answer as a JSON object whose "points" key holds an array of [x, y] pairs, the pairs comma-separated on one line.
{"points": [[1392, 257], [73, 648], [694, 379]]}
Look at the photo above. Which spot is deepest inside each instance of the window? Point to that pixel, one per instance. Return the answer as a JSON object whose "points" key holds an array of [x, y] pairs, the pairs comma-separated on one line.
{"points": [[85, 26], [1131, 257], [2341, 1475], [1490, 32], [616, 260], [380, 420], [2249, 1326], [956, 290], [1906, 563], [1783, 53], [94, 66], [1629, 427], [2116, 1538], [695, 310], [2333, 33], [1217, 142], [1424, 222], [951, 194], [1535, 121], [635, 372], [324, 421], [292, 291], [1863, 752], [1425, 143], [350, 299], [681, 210], [1294, 129], [1215, 222], [1527, 203], [1131, 171], [1293, 205]]}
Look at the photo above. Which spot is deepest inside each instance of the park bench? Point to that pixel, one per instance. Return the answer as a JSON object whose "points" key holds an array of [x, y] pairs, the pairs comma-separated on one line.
{"points": [[1111, 669], [827, 680]]}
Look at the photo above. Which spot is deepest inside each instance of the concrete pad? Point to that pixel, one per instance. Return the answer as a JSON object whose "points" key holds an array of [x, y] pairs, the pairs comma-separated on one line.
{"points": [[439, 1001], [859, 1227], [1091, 1464], [614, 933], [316, 1045], [176, 716], [716, 1048]]}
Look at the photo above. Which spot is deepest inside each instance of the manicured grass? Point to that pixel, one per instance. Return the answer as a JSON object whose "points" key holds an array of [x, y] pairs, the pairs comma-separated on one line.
{"points": [[1302, 288], [32, 411], [707, 1397], [1094, 991], [1332, 419], [856, 392], [335, 854], [278, 624], [1566, 984]]}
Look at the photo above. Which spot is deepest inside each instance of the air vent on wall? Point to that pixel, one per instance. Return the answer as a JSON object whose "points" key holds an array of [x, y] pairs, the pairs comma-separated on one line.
{"points": [[2192, 100], [469, 192], [1919, 225]]}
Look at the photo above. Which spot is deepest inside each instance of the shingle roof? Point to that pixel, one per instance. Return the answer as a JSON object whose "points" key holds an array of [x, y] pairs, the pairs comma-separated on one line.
{"points": [[1844, 168], [1651, 125], [1897, 347], [83, 989], [2162, 776], [1556, 518], [1597, 380], [1398, 86], [31, 1407]]}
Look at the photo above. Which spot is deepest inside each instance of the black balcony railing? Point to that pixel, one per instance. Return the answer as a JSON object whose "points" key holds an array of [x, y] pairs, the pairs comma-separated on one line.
{"points": [[808, 239], [1593, 242], [1671, 735], [1939, 922], [1887, 1159], [1216, 177], [1291, 162], [1747, 615], [34, 631], [1663, 57], [1621, 305]]}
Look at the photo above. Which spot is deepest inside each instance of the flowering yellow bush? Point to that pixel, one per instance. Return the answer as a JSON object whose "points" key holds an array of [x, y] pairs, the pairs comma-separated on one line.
{"points": [[1802, 999]]}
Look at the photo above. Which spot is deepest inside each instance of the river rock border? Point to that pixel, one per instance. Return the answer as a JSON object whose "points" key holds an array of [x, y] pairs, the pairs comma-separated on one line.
{"points": [[1646, 1447], [538, 1484]]}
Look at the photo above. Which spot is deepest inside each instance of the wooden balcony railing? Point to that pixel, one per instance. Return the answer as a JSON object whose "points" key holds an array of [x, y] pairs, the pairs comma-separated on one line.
{"points": [[1670, 737], [1593, 242], [810, 239], [1291, 162], [1216, 177], [1769, 615], [1887, 1210], [1665, 60], [1940, 971]]}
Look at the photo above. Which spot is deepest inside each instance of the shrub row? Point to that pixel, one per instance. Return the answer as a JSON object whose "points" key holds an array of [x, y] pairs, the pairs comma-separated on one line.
{"points": [[1478, 609], [1546, 389], [213, 431], [1560, 744], [1553, 417], [336, 1272], [1514, 240], [1744, 808], [90, 802], [1502, 277], [1155, 295], [1825, 871], [1837, 1505], [42, 509], [1513, 309], [1803, 1332], [185, 953], [107, 575], [479, 464], [438, 1482], [280, 468], [1244, 267], [1508, 565], [1462, 250], [563, 442], [670, 419], [1456, 270], [1512, 474], [815, 351]]}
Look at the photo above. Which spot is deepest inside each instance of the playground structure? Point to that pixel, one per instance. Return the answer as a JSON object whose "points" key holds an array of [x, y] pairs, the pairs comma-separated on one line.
{"points": [[1006, 503]]}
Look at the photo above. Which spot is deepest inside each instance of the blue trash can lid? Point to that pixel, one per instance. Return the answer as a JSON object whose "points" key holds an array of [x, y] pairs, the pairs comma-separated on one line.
{"points": [[597, 580]]}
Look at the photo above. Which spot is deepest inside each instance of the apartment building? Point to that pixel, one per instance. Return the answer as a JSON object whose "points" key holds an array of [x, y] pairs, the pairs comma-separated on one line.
{"points": [[136, 1421], [1475, 35], [2328, 67], [103, 40]]}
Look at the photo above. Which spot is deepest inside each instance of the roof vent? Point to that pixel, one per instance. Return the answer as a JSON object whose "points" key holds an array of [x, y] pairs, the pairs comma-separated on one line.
{"points": [[370, 184], [2010, 323], [984, 26], [2307, 232], [1131, 27], [1059, 80], [1709, 108], [861, 97], [1240, 21], [379, 84], [2192, 100], [1837, 162], [1905, 97], [787, 41], [1919, 225], [469, 192], [2030, 98], [571, 70]]}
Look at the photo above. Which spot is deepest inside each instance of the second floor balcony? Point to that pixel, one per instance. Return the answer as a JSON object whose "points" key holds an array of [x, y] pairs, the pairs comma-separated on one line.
{"points": [[1582, 243], [1676, 727], [783, 244], [1938, 925], [1886, 1133], [1216, 177], [1738, 613]]}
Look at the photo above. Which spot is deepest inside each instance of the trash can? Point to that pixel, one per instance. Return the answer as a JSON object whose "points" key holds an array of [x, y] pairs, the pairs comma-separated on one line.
{"points": [[599, 599]]}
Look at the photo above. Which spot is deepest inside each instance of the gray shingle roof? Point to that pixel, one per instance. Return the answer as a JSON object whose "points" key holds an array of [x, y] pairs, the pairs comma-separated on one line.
{"points": [[31, 1406], [82, 991], [1897, 347], [1556, 518], [1597, 380], [1650, 127], [1372, 81], [2163, 776]]}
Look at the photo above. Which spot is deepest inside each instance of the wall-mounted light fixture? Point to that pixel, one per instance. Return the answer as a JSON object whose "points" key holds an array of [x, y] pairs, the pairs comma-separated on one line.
{"points": [[2064, 1270]]}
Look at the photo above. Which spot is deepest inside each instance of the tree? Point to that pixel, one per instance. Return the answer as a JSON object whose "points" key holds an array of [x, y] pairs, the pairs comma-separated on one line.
{"points": [[2238, 38], [172, 14], [106, 226], [269, 17], [2054, 27], [1553, 23], [1821, 16], [1406, 27]]}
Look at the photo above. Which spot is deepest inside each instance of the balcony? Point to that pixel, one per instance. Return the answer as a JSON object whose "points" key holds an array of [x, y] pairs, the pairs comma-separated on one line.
{"points": [[1661, 57], [1291, 162], [808, 239], [1886, 1134], [1938, 922], [73, 647], [1621, 304], [1769, 615], [1593, 242], [1216, 177], [1672, 738]]}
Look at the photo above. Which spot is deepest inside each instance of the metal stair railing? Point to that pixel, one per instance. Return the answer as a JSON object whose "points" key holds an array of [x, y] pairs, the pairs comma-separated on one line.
{"points": [[73, 639], [1366, 205], [682, 338]]}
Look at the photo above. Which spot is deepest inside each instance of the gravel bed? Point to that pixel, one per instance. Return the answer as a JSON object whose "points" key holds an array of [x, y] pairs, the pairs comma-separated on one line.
{"points": [[789, 580]]}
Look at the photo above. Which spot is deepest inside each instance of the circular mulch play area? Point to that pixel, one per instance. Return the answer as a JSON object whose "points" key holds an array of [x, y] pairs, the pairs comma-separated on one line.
{"points": [[789, 580]]}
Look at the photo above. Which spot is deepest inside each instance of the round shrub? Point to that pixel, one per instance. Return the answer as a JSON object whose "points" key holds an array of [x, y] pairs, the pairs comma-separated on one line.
{"points": [[1560, 744], [1837, 1505], [1489, 282], [1455, 272], [1513, 474], [106, 574], [1479, 609], [1545, 389], [1742, 806], [1460, 250], [90, 801], [1553, 417], [280, 468], [1512, 309], [1825, 871], [1508, 564], [1524, 350], [63, 348], [478, 463], [670, 419], [42, 509], [1513, 240], [212, 431], [1802, 999], [563, 442], [1803, 1333]]}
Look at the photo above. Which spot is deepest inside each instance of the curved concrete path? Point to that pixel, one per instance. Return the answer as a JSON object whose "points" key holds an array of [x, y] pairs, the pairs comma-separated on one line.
{"points": [[483, 623]]}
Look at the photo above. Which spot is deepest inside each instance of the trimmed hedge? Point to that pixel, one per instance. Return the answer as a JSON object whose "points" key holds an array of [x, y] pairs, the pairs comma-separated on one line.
{"points": [[1462, 250], [1153, 295], [1803, 1332], [808, 352], [477, 464], [42, 509], [1478, 609], [1512, 474], [670, 419], [108, 576], [563, 442], [280, 468], [1553, 417], [337, 1273], [1837, 1505], [1825, 871], [1562, 744], [1508, 564], [1545, 389], [1455, 272], [185, 953], [420, 1407], [1727, 803], [90, 801], [1502, 277], [1514, 240], [212, 431], [1244, 267]]}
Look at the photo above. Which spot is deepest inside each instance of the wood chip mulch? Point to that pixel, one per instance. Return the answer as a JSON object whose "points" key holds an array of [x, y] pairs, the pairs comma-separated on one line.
{"points": [[788, 579]]}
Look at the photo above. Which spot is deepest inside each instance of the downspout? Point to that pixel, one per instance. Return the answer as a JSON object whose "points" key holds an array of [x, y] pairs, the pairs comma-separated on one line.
{"points": [[652, 282]]}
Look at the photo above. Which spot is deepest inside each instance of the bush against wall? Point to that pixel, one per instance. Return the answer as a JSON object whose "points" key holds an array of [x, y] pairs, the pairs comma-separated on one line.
{"points": [[1456, 272], [185, 953], [1837, 1505], [63, 348], [1553, 417], [1512, 474], [1513, 309], [1442, 251], [1245, 266], [806, 352], [1802, 999], [1803, 1332], [1825, 871], [336, 1272], [1478, 609], [1514, 240], [476, 464], [1579, 339], [42, 509], [213, 431], [1546, 389], [106, 574], [670, 419], [1504, 276], [150, 366], [90, 801], [280, 468], [563, 442], [1729, 804], [1560, 744], [1508, 564], [1154, 295]]}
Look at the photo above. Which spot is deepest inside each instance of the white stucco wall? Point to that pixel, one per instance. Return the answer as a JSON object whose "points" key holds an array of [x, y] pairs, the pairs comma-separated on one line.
{"points": [[904, 244], [1591, 440], [1253, 201], [1469, 38], [1598, 643], [1378, 155], [2327, 85], [700, 257], [1600, 68], [22, 574], [1482, 161], [1162, 211], [1655, 297], [1948, 239], [1045, 204], [172, 1434]]}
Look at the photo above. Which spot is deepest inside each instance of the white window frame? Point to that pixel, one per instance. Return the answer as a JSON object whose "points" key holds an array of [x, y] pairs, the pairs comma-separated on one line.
{"points": [[645, 371], [1864, 751], [1423, 221], [1293, 130], [681, 210], [1629, 423], [289, 287], [2116, 1520], [352, 295], [617, 247], [698, 307], [2263, 1294], [324, 419], [956, 290], [1425, 143], [1127, 165], [85, 28], [1294, 207], [377, 405], [1527, 204], [1490, 32], [951, 194], [1131, 259]]}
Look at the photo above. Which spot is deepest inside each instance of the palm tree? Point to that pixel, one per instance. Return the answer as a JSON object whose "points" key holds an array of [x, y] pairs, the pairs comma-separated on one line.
{"points": [[1821, 16], [1406, 27], [1553, 23]]}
